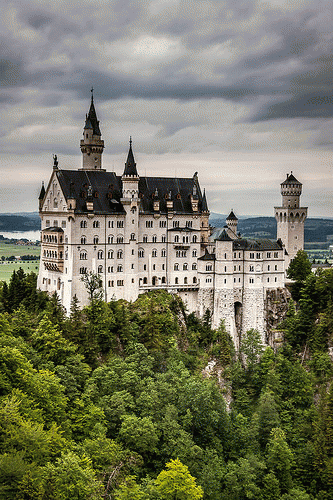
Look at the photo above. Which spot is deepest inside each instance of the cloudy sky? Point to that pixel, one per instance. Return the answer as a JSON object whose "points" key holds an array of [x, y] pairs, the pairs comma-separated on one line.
{"points": [[238, 90]]}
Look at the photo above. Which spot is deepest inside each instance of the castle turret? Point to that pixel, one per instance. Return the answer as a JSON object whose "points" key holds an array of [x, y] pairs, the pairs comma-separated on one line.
{"points": [[92, 145], [290, 217], [232, 222]]}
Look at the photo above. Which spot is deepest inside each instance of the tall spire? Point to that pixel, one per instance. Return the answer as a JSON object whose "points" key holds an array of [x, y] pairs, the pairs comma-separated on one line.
{"points": [[204, 206], [92, 145], [130, 165], [91, 118]]}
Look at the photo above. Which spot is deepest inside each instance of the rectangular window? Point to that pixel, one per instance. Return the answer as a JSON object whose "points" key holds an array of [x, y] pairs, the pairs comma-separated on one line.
{"points": [[251, 280], [145, 267], [163, 223], [47, 223], [175, 223], [268, 255], [251, 269], [276, 268], [163, 238], [55, 223], [258, 255], [63, 223], [111, 283], [120, 282], [268, 268], [251, 255], [149, 223], [111, 225], [276, 255], [120, 223]]}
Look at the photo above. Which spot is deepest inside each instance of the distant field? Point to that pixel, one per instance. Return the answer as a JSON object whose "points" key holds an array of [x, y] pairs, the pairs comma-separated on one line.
{"points": [[8, 249], [7, 268]]}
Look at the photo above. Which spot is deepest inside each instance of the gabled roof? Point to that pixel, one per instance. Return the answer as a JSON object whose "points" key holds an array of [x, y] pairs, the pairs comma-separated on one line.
{"points": [[107, 191], [220, 234]]}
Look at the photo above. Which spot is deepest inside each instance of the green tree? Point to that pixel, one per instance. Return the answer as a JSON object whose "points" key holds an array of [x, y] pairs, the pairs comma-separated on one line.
{"points": [[271, 488], [176, 483], [298, 270], [94, 285], [130, 490], [139, 434], [280, 458]]}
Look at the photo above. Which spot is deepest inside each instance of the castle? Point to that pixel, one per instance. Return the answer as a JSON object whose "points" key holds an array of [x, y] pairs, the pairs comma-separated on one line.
{"points": [[145, 233]]}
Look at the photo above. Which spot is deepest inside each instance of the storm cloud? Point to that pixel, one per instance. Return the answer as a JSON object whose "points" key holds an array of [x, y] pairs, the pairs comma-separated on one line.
{"points": [[216, 79]]}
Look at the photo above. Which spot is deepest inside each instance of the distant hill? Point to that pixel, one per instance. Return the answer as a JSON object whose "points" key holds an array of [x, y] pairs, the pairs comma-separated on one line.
{"points": [[315, 230], [27, 221]]}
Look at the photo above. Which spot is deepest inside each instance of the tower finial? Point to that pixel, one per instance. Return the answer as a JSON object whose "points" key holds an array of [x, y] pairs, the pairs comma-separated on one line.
{"points": [[92, 94], [130, 141]]}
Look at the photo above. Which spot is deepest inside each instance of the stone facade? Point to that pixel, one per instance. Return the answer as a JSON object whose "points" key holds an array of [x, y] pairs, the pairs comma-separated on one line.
{"points": [[142, 233]]}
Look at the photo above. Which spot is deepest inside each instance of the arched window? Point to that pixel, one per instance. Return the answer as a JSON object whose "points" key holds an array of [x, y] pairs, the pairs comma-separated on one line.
{"points": [[132, 236], [176, 281], [194, 239], [145, 281], [141, 252], [176, 267], [100, 269], [176, 239], [163, 252], [154, 253], [185, 281], [96, 223], [119, 269], [145, 238], [154, 239], [110, 239], [83, 270], [185, 267], [163, 279], [119, 254], [194, 266], [83, 255], [194, 279], [120, 239], [83, 223], [95, 241], [110, 254], [100, 254]]}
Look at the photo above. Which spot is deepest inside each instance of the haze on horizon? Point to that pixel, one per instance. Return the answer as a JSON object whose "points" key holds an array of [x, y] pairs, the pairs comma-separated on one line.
{"points": [[238, 90]]}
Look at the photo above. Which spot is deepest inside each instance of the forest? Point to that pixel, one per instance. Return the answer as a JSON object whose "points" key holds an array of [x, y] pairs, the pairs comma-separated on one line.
{"points": [[115, 400]]}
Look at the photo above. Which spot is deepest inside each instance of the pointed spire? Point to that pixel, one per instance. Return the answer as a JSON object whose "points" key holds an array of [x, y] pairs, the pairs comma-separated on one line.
{"points": [[91, 119], [42, 192], [232, 216], [130, 165], [204, 206]]}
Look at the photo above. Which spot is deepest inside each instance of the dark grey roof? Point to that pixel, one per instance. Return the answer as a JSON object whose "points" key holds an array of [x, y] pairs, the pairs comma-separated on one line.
{"points": [[291, 179], [91, 120], [204, 206], [220, 234], [208, 256], [42, 192], [248, 244], [53, 229], [130, 165], [232, 216], [107, 189]]}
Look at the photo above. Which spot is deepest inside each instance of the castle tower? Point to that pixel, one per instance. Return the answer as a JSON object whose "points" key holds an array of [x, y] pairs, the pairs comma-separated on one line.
{"points": [[130, 202], [91, 145], [232, 222], [290, 217]]}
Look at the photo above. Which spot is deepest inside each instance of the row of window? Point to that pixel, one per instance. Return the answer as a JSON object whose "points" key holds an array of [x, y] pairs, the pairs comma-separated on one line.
{"points": [[55, 223], [209, 279], [185, 267], [96, 224], [48, 254], [51, 238], [256, 255]]}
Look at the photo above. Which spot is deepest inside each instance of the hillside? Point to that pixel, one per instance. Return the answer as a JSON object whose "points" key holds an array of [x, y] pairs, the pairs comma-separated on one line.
{"points": [[315, 230]]}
